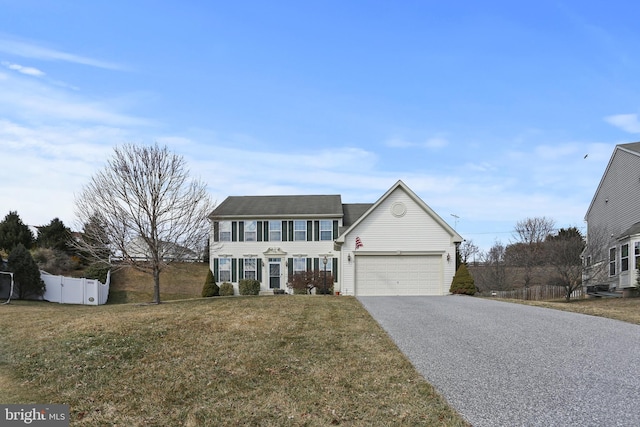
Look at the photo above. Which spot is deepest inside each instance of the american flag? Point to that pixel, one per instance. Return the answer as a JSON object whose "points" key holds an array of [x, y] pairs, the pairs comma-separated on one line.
{"points": [[358, 243]]}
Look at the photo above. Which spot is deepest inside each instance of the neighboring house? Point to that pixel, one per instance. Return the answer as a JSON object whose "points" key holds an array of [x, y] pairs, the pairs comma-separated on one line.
{"points": [[613, 222], [395, 246]]}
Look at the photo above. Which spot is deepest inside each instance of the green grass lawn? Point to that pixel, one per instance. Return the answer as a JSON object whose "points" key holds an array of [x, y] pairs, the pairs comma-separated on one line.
{"points": [[259, 361]]}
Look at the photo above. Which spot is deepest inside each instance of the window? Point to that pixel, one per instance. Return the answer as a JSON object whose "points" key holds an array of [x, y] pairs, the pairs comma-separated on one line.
{"points": [[225, 231], [326, 230], [612, 262], [300, 230], [299, 265], [275, 231], [250, 268], [624, 257], [636, 251], [224, 270], [250, 231]]}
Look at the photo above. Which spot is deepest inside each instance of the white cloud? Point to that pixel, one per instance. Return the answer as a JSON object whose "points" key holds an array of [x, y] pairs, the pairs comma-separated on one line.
{"points": [[30, 71], [433, 143], [34, 51], [626, 122]]}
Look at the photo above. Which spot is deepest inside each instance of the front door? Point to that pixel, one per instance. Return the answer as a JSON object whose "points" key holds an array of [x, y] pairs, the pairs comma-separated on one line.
{"points": [[275, 265]]}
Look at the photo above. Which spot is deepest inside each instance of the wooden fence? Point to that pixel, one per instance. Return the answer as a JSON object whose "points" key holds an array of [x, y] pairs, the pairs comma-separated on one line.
{"points": [[538, 293]]}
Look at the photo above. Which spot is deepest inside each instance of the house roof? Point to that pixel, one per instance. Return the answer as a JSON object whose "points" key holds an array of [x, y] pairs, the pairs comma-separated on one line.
{"points": [[279, 206], [634, 229], [633, 148], [353, 211], [455, 236]]}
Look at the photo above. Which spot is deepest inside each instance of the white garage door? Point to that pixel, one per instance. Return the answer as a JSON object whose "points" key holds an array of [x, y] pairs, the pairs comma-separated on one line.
{"points": [[398, 275]]}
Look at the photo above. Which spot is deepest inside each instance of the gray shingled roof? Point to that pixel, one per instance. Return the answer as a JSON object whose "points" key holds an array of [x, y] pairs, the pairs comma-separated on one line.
{"points": [[633, 146], [353, 211], [279, 206], [634, 229]]}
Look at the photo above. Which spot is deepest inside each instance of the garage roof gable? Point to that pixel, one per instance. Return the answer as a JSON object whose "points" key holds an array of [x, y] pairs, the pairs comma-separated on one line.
{"points": [[454, 235]]}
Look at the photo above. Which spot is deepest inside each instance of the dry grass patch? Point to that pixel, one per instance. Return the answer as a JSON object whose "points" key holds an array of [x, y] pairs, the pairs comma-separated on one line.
{"points": [[267, 361], [625, 309]]}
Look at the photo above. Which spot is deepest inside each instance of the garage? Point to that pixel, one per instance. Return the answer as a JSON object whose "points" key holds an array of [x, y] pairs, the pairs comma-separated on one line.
{"points": [[398, 275]]}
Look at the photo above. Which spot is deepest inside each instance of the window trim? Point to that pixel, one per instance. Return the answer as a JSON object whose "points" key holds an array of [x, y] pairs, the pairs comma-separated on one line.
{"points": [[221, 263], [612, 261], [328, 228], [245, 270], [278, 231], [624, 260], [222, 228], [297, 261], [297, 230]]}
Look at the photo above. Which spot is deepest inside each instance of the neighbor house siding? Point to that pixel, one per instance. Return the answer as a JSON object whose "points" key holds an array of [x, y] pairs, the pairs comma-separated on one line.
{"points": [[614, 209], [616, 206]]}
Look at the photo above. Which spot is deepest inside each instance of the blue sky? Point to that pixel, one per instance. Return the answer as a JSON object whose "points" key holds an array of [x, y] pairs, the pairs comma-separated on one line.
{"points": [[485, 110]]}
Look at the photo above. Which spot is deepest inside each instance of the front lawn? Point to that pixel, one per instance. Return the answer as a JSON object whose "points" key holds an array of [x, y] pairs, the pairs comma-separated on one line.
{"points": [[267, 361]]}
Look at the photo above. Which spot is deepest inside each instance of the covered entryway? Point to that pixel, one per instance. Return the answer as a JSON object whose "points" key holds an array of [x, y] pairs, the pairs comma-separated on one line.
{"points": [[399, 275]]}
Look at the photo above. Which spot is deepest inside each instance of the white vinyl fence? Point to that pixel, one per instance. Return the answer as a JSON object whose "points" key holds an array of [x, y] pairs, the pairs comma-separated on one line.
{"points": [[71, 290]]}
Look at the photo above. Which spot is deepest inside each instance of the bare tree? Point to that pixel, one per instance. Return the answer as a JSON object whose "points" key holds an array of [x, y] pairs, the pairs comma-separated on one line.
{"points": [[563, 252], [530, 234], [491, 273], [467, 249], [595, 256], [144, 207]]}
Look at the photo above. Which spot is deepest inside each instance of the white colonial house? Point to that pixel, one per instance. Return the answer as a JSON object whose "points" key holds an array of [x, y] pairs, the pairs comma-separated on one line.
{"points": [[395, 246], [613, 222]]}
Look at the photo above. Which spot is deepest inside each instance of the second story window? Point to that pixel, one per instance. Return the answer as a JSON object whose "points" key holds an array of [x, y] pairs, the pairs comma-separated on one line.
{"points": [[299, 230], [275, 231], [326, 230], [250, 231], [225, 231]]}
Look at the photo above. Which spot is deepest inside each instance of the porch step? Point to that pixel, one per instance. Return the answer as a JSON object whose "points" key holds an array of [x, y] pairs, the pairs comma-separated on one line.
{"points": [[268, 292]]}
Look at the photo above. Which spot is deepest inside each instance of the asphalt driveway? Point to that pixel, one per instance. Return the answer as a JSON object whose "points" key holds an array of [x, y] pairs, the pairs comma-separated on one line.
{"points": [[502, 364]]}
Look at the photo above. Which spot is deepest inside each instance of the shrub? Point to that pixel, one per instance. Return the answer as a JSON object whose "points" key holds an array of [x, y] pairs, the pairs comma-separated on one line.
{"points": [[304, 281], [97, 270], [226, 289], [249, 287], [26, 274], [463, 282], [210, 289], [53, 261]]}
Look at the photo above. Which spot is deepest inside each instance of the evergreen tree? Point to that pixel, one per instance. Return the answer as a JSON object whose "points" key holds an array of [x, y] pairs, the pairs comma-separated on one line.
{"points": [[26, 274], [54, 236], [13, 232], [463, 282], [210, 288]]}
